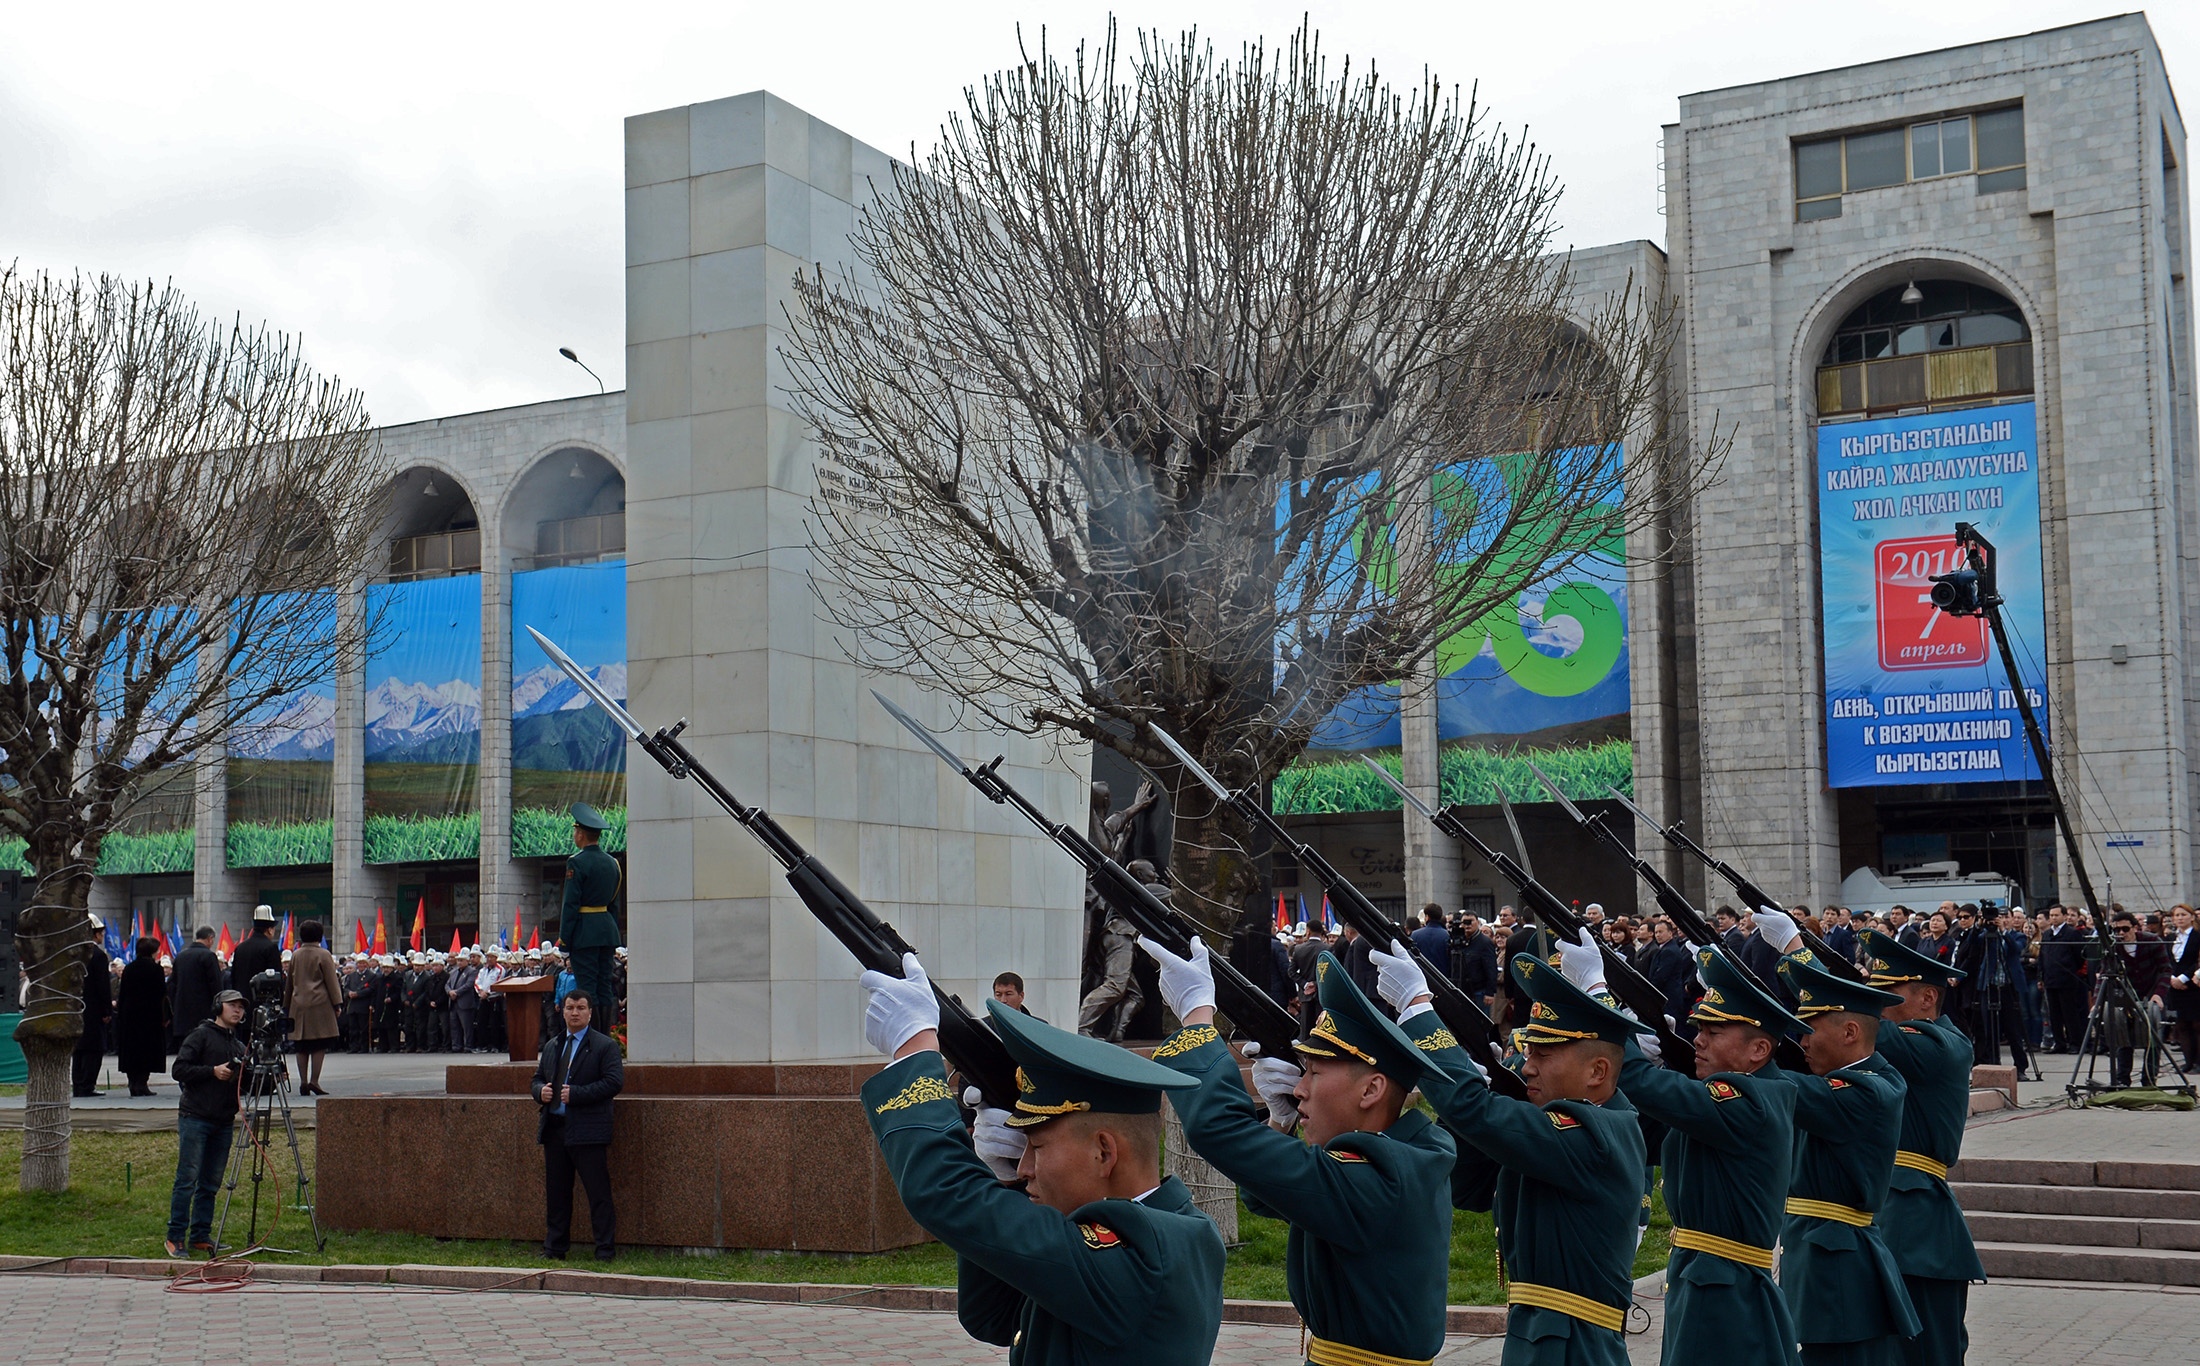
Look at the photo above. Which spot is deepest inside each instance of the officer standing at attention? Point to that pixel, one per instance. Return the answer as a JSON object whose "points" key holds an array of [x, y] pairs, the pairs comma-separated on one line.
{"points": [[1104, 1260], [1568, 1170], [586, 928], [1841, 1283], [1367, 1195], [1921, 1220], [1728, 1159]]}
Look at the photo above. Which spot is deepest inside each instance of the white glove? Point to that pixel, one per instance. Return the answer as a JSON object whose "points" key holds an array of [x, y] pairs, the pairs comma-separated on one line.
{"points": [[1651, 1048], [1277, 1082], [1186, 983], [1000, 1146], [1778, 929], [900, 1008], [1397, 977], [1582, 961]]}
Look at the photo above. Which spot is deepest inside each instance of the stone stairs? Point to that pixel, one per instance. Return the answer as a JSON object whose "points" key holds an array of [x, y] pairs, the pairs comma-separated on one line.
{"points": [[2129, 1222]]}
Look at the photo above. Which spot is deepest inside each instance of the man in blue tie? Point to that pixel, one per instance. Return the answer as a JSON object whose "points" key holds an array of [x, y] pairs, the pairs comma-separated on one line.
{"points": [[575, 1080]]}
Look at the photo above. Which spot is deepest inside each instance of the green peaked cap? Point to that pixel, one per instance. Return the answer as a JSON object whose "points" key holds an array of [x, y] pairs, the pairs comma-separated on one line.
{"points": [[1731, 997], [1060, 1073], [588, 817], [1351, 1027], [1560, 1012], [1893, 964], [1818, 991]]}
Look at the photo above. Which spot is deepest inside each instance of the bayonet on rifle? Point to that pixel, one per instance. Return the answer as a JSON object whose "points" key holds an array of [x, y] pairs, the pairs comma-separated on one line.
{"points": [[969, 1046], [1250, 1008], [1459, 1012]]}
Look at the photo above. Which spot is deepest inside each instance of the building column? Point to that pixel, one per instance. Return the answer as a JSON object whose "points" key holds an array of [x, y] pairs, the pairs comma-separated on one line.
{"points": [[1433, 866], [504, 883], [351, 891]]}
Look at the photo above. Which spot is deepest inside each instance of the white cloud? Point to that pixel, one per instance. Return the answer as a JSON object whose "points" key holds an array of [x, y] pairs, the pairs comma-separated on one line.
{"points": [[431, 193]]}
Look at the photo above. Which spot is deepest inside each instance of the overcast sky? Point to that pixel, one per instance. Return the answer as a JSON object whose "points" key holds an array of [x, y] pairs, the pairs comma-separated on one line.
{"points": [[430, 193]]}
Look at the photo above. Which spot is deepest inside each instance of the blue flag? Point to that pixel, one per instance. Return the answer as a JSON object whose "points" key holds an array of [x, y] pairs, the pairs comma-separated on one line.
{"points": [[175, 936], [112, 941]]}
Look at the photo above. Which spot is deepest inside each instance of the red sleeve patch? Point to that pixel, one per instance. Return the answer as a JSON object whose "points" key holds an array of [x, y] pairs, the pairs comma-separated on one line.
{"points": [[1343, 1156], [1562, 1120], [1721, 1090], [1837, 1084], [1099, 1236]]}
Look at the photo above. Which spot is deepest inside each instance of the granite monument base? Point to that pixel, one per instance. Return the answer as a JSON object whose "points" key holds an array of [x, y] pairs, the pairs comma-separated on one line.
{"points": [[702, 1156]]}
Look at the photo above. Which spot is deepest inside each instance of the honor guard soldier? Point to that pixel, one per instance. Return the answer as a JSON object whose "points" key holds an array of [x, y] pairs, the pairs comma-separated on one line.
{"points": [[1568, 1172], [586, 928], [1104, 1260], [1367, 1195], [1921, 1220], [1841, 1283], [1728, 1158]]}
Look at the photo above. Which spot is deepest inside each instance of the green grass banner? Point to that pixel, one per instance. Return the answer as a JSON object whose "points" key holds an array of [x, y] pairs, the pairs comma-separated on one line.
{"points": [[423, 839], [537, 833], [255, 844], [1469, 776]]}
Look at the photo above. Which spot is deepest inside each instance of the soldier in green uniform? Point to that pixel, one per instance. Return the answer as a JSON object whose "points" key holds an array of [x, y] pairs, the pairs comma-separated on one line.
{"points": [[1567, 1192], [1367, 1194], [1104, 1260], [1728, 1158], [1921, 1220], [1841, 1283], [586, 928]]}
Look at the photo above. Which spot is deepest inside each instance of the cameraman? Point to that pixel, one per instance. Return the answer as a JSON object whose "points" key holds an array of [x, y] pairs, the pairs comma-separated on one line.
{"points": [[207, 1069]]}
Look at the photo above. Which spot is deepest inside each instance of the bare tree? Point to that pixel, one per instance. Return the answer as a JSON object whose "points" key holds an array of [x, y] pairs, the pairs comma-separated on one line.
{"points": [[179, 501], [1203, 392]]}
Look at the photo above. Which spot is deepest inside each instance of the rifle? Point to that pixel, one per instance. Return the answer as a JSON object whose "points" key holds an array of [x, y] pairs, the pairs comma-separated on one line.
{"points": [[1454, 1007], [1632, 988], [1751, 894], [970, 1047], [1252, 1009]]}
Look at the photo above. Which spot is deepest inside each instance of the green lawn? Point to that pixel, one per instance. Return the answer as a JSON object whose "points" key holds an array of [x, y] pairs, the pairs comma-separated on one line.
{"points": [[100, 1216]]}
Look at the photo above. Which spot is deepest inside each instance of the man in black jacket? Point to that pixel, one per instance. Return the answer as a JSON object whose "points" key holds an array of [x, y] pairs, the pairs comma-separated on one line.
{"points": [[1996, 970], [575, 1080], [260, 952], [99, 1012], [1474, 959], [198, 976], [2063, 977], [206, 1068]]}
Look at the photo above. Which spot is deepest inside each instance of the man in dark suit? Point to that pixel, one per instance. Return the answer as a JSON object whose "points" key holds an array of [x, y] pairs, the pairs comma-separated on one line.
{"points": [[1432, 939], [260, 952], [99, 1012], [198, 976], [575, 1080], [1474, 959], [2063, 978]]}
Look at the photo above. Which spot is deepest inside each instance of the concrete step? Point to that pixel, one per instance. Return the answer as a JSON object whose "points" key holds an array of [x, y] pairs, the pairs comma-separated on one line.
{"points": [[2065, 1230], [2038, 1261], [2096, 1201], [2151, 1176]]}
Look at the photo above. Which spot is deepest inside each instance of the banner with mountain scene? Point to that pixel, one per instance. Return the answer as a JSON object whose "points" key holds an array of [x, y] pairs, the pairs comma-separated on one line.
{"points": [[423, 721], [282, 766], [1543, 679], [564, 749]]}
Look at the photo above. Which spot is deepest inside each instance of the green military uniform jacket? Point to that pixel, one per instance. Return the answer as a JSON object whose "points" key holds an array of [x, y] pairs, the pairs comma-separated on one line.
{"points": [[1841, 1283], [1118, 1281], [591, 879], [1921, 1221], [1567, 1199], [1728, 1160], [1368, 1262]]}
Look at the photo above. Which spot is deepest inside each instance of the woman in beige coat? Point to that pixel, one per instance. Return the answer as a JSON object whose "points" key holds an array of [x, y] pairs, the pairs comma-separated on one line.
{"points": [[313, 991]]}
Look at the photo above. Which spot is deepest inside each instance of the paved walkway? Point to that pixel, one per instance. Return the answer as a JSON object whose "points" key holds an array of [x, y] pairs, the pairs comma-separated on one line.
{"points": [[2060, 1133], [344, 1074]]}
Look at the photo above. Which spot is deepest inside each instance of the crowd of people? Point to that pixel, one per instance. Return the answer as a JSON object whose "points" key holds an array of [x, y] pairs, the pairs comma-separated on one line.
{"points": [[140, 1012], [2031, 985]]}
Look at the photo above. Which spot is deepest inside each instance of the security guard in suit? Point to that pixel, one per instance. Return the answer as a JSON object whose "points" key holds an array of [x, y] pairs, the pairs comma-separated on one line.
{"points": [[587, 930], [1728, 1158], [1921, 1220], [1104, 1260], [1568, 1171], [1367, 1195], [1841, 1283]]}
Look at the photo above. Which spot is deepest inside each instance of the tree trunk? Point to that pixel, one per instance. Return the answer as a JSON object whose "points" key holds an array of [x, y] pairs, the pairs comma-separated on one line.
{"points": [[46, 1115], [1213, 1192], [1208, 861]]}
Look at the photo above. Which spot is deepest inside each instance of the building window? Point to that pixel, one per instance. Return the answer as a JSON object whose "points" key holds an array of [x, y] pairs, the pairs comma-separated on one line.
{"points": [[1989, 146], [439, 554], [577, 540], [1958, 344]]}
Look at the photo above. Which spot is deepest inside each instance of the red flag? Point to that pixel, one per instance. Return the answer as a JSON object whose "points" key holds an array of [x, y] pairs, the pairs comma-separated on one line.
{"points": [[420, 925], [290, 933], [1283, 913], [226, 946], [381, 935], [515, 927], [457, 945], [359, 936], [534, 939]]}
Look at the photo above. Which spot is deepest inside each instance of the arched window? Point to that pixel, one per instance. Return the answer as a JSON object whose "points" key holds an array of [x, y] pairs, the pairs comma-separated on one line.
{"points": [[1923, 345]]}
